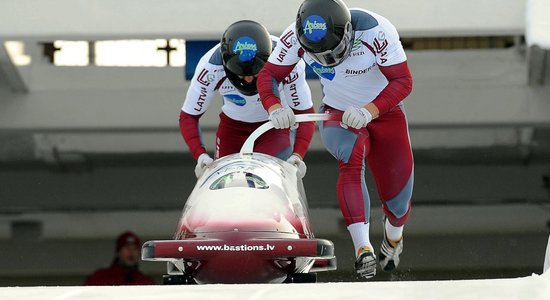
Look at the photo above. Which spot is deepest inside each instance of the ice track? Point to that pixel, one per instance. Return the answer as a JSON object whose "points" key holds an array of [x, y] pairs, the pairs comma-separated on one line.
{"points": [[532, 287]]}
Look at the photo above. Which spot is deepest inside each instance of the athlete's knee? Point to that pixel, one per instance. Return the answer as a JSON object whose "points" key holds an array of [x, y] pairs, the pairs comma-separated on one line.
{"points": [[400, 204], [285, 154], [399, 209], [397, 220]]}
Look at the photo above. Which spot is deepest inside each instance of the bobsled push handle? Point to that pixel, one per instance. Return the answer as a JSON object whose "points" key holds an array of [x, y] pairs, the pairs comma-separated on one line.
{"points": [[248, 145]]}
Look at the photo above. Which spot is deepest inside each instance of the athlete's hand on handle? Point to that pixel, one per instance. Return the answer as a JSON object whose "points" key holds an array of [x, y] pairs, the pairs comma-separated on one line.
{"points": [[356, 117], [297, 161], [282, 117], [203, 161]]}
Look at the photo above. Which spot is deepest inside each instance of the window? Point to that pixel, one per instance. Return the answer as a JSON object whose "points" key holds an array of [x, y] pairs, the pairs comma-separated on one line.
{"points": [[140, 53], [70, 53], [16, 51], [239, 179], [117, 53]]}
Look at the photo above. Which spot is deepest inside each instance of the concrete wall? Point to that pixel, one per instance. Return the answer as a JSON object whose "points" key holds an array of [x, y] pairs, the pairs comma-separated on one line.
{"points": [[31, 19], [95, 109]]}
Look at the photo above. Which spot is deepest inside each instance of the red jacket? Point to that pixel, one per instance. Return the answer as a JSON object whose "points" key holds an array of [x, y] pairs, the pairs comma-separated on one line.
{"points": [[117, 274]]}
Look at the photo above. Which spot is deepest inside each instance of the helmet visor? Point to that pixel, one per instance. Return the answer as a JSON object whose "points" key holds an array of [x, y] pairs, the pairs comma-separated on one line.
{"points": [[334, 57]]}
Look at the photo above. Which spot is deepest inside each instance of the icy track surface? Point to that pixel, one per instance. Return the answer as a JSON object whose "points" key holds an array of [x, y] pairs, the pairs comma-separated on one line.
{"points": [[533, 288]]}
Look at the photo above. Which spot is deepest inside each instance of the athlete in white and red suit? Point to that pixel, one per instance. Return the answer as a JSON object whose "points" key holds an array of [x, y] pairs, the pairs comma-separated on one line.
{"points": [[241, 114], [365, 77]]}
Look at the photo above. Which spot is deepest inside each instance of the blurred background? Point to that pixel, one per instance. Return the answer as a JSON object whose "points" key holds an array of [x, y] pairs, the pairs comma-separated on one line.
{"points": [[90, 94]]}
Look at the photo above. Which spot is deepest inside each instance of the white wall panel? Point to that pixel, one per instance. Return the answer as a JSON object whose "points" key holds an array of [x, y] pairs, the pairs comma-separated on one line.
{"points": [[75, 19]]}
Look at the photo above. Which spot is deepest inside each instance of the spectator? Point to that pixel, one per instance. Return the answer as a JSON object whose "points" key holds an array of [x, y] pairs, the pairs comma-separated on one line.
{"points": [[125, 267]]}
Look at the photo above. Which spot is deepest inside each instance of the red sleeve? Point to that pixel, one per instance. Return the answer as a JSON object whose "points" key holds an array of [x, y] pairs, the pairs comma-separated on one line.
{"points": [[304, 133], [189, 128], [268, 83], [399, 86]]}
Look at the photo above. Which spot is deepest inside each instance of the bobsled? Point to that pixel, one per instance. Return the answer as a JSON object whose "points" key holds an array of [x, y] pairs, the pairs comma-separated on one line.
{"points": [[246, 221]]}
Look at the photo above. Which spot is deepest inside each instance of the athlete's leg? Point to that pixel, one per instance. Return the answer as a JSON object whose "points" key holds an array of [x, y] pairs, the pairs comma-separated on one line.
{"points": [[230, 136], [391, 164], [275, 142], [350, 146]]}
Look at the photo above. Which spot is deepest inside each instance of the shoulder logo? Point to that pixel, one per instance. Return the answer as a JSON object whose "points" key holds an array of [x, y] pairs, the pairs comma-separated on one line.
{"points": [[380, 45], [381, 35], [289, 39], [315, 28], [204, 78], [293, 76], [246, 47]]}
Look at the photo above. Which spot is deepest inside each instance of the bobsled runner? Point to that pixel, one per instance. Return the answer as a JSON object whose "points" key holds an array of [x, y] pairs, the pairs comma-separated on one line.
{"points": [[246, 221]]}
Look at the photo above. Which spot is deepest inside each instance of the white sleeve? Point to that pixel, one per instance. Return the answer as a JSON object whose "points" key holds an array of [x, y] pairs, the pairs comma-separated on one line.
{"points": [[296, 90], [385, 42], [202, 87], [286, 52]]}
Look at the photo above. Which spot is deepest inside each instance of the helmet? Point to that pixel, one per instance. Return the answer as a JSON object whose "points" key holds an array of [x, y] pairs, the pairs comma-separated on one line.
{"points": [[127, 238], [245, 47], [324, 30]]}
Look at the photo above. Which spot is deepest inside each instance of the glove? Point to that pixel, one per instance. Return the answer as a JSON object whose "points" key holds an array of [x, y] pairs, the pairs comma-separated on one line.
{"points": [[356, 117], [282, 118], [203, 161], [296, 161]]}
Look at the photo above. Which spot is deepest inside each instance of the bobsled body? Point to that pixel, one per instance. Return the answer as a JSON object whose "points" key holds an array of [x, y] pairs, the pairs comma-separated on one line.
{"points": [[246, 221]]}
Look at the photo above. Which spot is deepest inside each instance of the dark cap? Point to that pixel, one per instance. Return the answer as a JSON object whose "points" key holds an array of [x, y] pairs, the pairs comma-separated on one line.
{"points": [[127, 238]]}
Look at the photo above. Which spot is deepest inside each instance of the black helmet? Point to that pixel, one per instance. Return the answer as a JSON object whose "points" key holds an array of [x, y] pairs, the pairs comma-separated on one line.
{"points": [[324, 30], [245, 47]]}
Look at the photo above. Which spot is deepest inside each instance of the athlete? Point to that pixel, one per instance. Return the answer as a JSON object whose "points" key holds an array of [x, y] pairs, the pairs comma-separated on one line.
{"points": [[231, 68], [364, 74]]}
